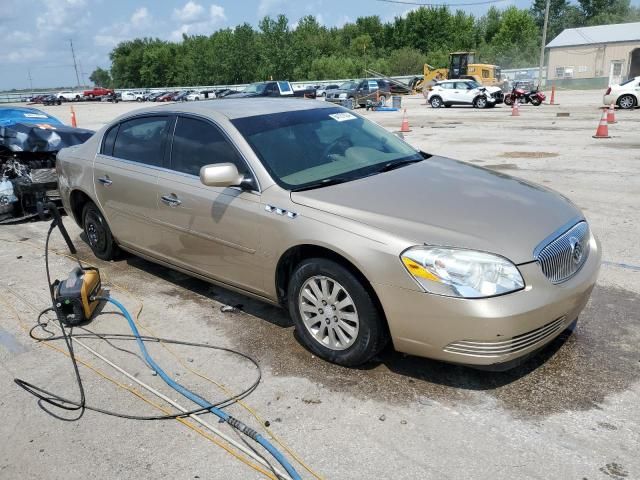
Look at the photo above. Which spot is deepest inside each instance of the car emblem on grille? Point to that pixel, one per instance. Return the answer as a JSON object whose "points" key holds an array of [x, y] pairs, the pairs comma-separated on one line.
{"points": [[576, 250]]}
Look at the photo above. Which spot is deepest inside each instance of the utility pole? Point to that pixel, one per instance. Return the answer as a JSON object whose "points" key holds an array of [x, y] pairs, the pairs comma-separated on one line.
{"points": [[544, 41], [75, 65], [30, 81]]}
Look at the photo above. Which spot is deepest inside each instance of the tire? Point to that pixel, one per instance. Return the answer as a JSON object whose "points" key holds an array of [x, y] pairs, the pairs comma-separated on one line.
{"points": [[347, 340], [77, 98], [354, 105], [508, 100], [436, 102], [480, 102], [536, 101], [138, 99], [98, 233], [627, 102], [324, 94]]}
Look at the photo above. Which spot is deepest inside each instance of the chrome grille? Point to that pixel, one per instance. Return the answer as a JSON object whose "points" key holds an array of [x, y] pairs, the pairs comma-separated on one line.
{"points": [[563, 257], [511, 345]]}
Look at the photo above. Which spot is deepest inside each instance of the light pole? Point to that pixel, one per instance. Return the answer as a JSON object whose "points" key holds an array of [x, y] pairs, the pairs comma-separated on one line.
{"points": [[544, 41]]}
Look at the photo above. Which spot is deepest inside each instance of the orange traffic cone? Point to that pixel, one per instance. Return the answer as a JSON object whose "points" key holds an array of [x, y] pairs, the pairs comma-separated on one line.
{"points": [[515, 111], [74, 123], [603, 128], [404, 128], [611, 114], [553, 94]]}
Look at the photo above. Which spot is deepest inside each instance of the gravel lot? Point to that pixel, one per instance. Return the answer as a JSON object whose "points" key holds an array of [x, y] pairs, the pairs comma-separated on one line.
{"points": [[571, 412]]}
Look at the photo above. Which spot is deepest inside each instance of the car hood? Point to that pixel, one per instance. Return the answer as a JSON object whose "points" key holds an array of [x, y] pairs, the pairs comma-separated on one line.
{"points": [[441, 201]]}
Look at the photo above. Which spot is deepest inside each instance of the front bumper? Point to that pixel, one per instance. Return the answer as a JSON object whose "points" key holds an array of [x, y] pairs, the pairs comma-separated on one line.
{"points": [[491, 330]]}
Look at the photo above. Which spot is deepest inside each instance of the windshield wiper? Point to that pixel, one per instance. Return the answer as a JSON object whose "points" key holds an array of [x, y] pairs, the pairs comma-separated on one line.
{"points": [[387, 167], [322, 183]]}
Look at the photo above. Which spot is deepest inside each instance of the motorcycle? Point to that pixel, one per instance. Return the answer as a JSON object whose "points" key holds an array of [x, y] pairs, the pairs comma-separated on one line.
{"points": [[534, 97]]}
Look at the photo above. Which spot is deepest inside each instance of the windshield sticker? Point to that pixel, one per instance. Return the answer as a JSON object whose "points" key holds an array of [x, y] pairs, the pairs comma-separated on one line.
{"points": [[35, 115], [342, 117]]}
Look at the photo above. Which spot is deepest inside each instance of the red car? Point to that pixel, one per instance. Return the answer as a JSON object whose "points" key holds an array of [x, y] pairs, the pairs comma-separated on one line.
{"points": [[97, 92], [167, 97]]}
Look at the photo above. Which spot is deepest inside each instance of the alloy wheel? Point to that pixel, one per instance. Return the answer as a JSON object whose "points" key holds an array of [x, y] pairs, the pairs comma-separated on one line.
{"points": [[626, 102], [328, 312]]}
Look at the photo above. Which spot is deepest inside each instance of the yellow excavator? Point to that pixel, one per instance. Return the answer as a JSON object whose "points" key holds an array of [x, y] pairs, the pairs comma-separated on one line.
{"points": [[461, 65]]}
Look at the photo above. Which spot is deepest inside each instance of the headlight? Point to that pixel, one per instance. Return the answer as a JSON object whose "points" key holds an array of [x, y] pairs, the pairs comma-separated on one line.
{"points": [[342, 95], [461, 273]]}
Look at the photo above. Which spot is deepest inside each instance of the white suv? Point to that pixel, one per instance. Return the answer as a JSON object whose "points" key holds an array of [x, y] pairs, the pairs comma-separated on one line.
{"points": [[463, 92], [625, 95]]}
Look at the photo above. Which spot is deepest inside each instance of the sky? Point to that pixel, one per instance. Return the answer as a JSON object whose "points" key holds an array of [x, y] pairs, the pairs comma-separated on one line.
{"points": [[36, 33]]}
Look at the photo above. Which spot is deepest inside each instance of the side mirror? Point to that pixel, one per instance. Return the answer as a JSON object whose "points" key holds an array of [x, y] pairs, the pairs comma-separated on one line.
{"points": [[220, 175]]}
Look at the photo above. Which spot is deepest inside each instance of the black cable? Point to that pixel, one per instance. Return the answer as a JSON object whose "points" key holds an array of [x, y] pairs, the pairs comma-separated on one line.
{"points": [[115, 336], [50, 398]]}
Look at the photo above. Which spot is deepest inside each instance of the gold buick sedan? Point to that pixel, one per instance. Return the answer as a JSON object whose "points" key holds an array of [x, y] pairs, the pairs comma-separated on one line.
{"points": [[363, 238]]}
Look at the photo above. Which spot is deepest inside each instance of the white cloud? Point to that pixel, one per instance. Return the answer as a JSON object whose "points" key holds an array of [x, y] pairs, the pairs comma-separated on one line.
{"points": [[191, 12], [266, 7], [57, 13], [140, 17], [200, 24], [139, 25]]}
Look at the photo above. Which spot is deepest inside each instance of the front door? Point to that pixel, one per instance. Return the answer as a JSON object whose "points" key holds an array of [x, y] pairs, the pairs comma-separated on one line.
{"points": [[615, 72], [208, 230], [125, 177]]}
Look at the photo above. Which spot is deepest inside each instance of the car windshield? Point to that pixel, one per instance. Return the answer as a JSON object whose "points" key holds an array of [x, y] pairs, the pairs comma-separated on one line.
{"points": [[348, 85], [312, 148], [473, 84], [255, 88]]}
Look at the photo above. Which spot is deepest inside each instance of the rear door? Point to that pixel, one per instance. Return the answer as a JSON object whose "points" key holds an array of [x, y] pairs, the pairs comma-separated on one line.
{"points": [[125, 179], [209, 230]]}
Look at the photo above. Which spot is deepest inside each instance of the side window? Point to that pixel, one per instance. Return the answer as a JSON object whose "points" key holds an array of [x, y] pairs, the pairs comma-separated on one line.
{"points": [[109, 140], [447, 85], [463, 86], [197, 143], [141, 140]]}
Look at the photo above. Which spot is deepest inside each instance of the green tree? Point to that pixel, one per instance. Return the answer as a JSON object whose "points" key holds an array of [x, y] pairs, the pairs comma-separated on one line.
{"points": [[100, 77]]}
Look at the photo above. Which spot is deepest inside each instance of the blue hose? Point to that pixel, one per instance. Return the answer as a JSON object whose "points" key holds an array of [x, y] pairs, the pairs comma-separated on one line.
{"points": [[201, 401]]}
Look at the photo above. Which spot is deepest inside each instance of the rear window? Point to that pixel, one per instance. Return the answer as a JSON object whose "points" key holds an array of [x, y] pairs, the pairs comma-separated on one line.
{"points": [[142, 140], [109, 141]]}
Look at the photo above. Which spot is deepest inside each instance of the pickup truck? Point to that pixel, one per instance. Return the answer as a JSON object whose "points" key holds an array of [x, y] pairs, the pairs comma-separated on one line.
{"points": [[359, 91], [97, 92], [272, 89]]}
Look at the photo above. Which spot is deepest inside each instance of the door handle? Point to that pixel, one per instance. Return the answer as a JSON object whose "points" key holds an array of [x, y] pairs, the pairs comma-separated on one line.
{"points": [[106, 181], [171, 200]]}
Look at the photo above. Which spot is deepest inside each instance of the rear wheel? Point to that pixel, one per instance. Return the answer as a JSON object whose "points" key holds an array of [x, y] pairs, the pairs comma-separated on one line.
{"points": [[435, 102], [626, 101], [335, 315], [535, 101], [98, 233]]}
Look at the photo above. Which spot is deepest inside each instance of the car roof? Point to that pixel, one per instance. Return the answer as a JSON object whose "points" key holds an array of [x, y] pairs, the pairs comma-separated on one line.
{"points": [[234, 108]]}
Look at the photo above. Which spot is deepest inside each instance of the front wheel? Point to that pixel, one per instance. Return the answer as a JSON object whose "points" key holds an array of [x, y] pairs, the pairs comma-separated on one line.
{"points": [[626, 102], [508, 100], [336, 317], [98, 233], [480, 102], [435, 102]]}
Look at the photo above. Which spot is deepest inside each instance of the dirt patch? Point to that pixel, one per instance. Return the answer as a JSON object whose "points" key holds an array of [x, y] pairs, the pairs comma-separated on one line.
{"points": [[529, 155]]}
